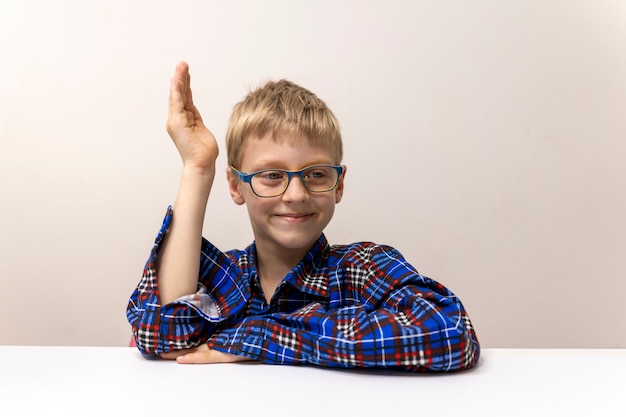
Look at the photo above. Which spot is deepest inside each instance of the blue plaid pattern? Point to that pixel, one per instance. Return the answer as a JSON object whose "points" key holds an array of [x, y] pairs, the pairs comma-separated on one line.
{"points": [[359, 305]]}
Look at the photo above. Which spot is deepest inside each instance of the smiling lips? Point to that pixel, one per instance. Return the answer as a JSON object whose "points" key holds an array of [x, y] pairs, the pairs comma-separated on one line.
{"points": [[295, 217]]}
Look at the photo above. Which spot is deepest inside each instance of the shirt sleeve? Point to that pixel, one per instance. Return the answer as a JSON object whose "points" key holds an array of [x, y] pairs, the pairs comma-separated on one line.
{"points": [[188, 321], [402, 321]]}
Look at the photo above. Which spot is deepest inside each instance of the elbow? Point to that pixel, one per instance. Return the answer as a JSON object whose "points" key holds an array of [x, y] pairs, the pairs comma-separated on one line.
{"points": [[461, 352], [468, 352], [455, 348]]}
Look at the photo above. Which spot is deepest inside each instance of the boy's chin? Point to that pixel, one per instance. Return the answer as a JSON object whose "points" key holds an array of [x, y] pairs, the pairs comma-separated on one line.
{"points": [[296, 241]]}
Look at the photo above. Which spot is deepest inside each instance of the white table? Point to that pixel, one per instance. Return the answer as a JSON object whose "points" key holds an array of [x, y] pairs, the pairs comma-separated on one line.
{"points": [[86, 381]]}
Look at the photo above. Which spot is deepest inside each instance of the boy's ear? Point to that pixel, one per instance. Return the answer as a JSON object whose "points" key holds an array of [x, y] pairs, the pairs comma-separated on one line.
{"points": [[234, 187], [339, 189]]}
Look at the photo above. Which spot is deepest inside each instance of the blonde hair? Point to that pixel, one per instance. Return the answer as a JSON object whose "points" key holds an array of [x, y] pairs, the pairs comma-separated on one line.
{"points": [[283, 110]]}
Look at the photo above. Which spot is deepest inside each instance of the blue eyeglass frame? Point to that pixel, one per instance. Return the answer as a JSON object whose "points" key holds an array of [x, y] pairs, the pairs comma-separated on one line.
{"points": [[290, 174]]}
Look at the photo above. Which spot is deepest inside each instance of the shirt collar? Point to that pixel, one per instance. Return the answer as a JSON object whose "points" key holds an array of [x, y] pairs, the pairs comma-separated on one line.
{"points": [[310, 275]]}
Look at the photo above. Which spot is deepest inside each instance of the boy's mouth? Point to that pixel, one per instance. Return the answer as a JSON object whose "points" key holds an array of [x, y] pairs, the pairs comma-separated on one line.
{"points": [[295, 217]]}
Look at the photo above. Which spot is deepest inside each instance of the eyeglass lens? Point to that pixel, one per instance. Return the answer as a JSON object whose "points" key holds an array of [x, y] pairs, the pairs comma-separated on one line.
{"points": [[274, 182]]}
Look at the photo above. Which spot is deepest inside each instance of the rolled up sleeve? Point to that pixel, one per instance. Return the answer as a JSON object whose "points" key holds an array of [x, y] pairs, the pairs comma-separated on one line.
{"points": [[189, 320]]}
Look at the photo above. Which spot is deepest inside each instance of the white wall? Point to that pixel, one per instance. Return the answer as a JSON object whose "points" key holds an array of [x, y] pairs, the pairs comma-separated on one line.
{"points": [[485, 139]]}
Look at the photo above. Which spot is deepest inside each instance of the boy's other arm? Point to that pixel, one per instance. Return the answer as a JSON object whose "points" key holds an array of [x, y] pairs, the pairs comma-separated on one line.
{"points": [[178, 262], [406, 321]]}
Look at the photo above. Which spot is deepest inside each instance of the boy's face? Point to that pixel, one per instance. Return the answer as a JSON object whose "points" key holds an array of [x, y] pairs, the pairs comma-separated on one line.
{"points": [[293, 221]]}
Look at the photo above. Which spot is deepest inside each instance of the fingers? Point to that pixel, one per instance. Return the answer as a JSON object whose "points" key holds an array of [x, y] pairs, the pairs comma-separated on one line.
{"points": [[175, 353], [205, 355], [197, 118], [187, 91], [182, 112], [195, 143], [191, 355], [180, 91], [196, 357], [201, 354]]}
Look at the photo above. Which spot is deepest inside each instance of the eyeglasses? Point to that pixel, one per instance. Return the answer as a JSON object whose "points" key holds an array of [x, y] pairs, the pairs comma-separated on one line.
{"points": [[274, 182]]}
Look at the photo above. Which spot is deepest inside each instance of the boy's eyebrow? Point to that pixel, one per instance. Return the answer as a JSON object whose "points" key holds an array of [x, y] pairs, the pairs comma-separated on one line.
{"points": [[278, 164]]}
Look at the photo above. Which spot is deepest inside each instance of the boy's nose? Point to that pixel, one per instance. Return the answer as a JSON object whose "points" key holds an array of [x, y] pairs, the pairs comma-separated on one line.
{"points": [[296, 191]]}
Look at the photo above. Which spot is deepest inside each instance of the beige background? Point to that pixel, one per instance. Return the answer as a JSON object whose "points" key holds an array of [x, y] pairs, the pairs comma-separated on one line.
{"points": [[485, 139]]}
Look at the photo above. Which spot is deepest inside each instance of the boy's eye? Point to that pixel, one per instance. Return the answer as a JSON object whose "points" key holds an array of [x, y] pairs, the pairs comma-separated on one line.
{"points": [[317, 174], [271, 175]]}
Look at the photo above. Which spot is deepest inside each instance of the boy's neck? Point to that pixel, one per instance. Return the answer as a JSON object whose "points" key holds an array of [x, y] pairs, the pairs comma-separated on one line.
{"points": [[272, 267]]}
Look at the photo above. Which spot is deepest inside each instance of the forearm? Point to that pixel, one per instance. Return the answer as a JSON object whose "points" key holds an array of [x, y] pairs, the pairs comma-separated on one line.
{"points": [[179, 257], [353, 338]]}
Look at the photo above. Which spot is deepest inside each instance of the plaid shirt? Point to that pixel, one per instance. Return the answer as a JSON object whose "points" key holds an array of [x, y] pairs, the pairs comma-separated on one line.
{"points": [[359, 305]]}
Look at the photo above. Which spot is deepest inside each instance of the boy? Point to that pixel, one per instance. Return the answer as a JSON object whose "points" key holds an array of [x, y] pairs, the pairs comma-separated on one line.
{"points": [[290, 297]]}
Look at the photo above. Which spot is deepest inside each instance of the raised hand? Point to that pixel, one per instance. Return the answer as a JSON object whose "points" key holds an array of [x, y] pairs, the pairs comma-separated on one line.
{"points": [[195, 143], [178, 263]]}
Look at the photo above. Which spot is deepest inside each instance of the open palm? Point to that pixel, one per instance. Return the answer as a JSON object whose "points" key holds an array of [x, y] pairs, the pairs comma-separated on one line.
{"points": [[195, 143]]}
